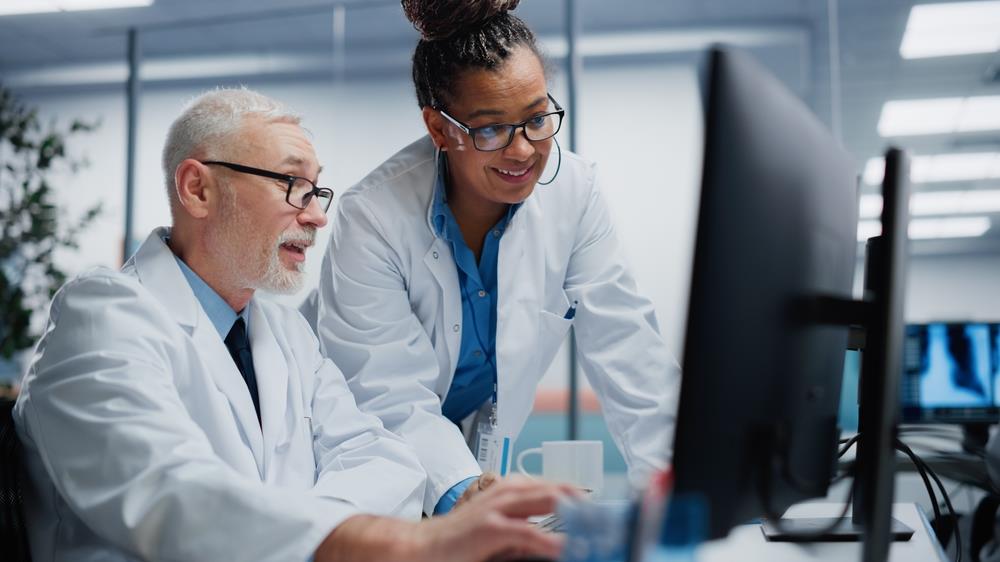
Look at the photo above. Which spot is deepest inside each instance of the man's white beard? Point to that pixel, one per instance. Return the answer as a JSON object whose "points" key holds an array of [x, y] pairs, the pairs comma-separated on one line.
{"points": [[279, 279], [250, 264]]}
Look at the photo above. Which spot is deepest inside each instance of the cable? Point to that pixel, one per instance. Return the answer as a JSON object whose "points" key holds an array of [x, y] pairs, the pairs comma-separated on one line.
{"points": [[847, 444], [951, 510], [918, 464], [947, 500]]}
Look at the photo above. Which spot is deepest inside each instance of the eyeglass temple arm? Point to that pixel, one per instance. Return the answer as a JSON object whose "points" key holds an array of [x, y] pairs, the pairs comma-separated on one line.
{"points": [[455, 122]]}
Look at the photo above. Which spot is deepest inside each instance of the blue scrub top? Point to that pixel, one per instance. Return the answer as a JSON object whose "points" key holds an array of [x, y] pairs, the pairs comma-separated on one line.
{"points": [[475, 373]]}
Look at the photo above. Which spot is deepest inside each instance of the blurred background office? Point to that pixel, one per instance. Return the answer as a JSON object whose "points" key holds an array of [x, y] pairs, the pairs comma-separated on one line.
{"points": [[924, 76]]}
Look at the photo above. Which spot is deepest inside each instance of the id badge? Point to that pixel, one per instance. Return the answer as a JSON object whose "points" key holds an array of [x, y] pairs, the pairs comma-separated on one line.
{"points": [[492, 449]]}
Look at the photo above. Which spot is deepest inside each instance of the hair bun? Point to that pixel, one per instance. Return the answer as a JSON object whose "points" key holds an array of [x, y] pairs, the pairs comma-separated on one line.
{"points": [[439, 19]]}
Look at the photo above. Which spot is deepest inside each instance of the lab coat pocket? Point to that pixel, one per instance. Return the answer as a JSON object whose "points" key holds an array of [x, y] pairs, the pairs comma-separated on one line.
{"points": [[552, 330]]}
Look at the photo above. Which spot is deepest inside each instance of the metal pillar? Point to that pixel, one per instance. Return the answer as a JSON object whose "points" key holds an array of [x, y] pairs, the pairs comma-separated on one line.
{"points": [[574, 68], [132, 117], [339, 43]]}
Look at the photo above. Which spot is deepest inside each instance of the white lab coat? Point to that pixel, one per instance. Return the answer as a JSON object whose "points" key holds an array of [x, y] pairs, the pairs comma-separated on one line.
{"points": [[141, 440], [389, 310]]}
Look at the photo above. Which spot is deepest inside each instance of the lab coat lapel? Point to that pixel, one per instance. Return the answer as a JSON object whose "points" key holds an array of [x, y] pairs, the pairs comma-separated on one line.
{"points": [[158, 271], [441, 263], [521, 282], [272, 381], [228, 379]]}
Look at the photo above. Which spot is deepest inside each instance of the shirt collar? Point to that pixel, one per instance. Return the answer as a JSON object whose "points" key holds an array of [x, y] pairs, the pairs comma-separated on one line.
{"points": [[218, 310]]}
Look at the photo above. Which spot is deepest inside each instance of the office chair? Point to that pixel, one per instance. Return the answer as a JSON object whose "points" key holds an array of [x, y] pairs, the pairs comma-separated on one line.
{"points": [[13, 530]]}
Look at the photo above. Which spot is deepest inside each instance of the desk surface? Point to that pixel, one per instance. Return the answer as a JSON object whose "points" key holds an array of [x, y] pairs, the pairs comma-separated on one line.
{"points": [[747, 542]]}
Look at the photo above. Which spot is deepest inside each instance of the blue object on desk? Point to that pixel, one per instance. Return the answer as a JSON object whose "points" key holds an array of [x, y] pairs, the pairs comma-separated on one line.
{"points": [[595, 532], [684, 527]]}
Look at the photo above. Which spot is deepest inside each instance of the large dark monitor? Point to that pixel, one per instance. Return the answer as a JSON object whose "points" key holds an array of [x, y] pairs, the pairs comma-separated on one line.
{"points": [[770, 303]]}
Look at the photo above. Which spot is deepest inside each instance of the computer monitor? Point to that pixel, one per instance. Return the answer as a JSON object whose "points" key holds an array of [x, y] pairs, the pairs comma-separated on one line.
{"points": [[770, 303], [951, 373]]}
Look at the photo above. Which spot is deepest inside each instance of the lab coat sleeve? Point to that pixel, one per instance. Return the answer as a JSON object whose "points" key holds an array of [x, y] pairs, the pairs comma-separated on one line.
{"points": [[366, 325], [104, 415], [619, 347], [358, 460]]}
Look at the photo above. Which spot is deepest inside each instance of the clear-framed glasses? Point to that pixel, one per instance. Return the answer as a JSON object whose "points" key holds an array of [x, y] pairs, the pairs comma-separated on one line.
{"points": [[299, 191], [497, 137]]}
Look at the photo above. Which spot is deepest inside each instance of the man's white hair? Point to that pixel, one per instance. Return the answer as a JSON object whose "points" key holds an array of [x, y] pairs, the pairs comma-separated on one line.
{"points": [[210, 123]]}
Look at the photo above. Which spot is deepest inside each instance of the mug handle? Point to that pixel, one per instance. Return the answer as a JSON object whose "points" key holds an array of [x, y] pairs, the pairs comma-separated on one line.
{"points": [[520, 460]]}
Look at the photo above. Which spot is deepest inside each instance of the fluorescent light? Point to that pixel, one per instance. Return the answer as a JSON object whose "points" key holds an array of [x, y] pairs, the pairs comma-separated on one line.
{"points": [[955, 202], [928, 203], [959, 28], [964, 227], [963, 166], [938, 116], [16, 7], [924, 229], [981, 113]]}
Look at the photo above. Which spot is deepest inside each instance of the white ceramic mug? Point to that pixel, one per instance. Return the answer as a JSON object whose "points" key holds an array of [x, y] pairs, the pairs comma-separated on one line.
{"points": [[580, 463]]}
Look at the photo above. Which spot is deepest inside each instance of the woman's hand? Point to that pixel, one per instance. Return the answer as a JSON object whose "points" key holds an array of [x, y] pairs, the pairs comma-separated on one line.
{"points": [[484, 481]]}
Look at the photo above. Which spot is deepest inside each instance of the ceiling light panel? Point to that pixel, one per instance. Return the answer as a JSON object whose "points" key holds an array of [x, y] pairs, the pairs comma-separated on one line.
{"points": [[933, 168], [939, 116], [17, 7], [926, 229], [928, 203], [955, 28]]}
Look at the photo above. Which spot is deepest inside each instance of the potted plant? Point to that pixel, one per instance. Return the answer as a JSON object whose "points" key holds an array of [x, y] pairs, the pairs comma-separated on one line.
{"points": [[31, 226]]}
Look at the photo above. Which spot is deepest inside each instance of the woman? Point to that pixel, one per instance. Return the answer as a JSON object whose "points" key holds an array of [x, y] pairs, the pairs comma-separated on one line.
{"points": [[451, 280]]}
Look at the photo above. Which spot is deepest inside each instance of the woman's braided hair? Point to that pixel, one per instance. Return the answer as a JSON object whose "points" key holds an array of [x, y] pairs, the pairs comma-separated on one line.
{"points": [[459, 35]]}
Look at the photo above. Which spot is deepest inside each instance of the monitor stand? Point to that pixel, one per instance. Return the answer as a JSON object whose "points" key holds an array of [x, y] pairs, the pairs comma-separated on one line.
{"points": [[975, 436], [818, 529]]}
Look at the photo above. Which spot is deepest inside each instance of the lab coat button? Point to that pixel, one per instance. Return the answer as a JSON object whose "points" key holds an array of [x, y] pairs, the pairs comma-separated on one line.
{"points": [[482, 294], [455, 328], [435, 254]]}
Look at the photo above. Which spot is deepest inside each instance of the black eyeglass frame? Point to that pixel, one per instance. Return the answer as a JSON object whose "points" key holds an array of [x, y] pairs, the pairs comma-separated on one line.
{"points": [[471, 131], [315, 192]]}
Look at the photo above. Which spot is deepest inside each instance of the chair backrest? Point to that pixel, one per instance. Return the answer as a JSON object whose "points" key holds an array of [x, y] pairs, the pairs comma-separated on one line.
{"points": [[13, 531]]}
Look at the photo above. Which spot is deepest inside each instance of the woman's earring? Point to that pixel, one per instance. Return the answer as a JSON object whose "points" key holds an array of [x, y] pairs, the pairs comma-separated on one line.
{"points": [[558, 164]]}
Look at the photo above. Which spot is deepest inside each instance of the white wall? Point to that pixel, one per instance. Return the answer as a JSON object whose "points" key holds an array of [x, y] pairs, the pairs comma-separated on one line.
{"points": [[960, 287]]}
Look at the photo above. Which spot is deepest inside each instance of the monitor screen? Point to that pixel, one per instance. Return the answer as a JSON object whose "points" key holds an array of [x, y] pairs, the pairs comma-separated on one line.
{"points": [[951, 372]]}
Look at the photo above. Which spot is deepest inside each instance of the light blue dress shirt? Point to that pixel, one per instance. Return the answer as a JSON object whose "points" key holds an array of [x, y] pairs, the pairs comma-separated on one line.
{"points": [[475, 373], [218, 310]]}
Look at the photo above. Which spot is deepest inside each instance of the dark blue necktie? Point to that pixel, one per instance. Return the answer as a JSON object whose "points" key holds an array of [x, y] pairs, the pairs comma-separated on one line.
{"points": [[239, 348]]}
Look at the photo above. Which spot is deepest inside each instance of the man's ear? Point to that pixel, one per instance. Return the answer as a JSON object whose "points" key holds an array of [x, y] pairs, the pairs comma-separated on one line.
{"points": [[435, 126], [194, 187]]}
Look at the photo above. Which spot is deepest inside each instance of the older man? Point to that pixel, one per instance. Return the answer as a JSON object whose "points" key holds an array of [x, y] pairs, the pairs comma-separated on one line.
{"points": [[169, 414]]}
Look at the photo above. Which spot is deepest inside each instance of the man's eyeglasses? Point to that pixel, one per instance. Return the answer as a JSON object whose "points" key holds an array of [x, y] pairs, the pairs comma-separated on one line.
{"points": [[298, 194], [496, 137]]}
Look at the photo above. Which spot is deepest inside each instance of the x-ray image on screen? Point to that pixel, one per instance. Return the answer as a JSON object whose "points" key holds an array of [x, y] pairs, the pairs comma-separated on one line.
{"points": [[951, 372]]}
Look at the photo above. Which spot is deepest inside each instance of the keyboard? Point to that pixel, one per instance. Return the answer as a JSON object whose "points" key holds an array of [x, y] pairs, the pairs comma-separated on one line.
{"points": [[551, 524]]}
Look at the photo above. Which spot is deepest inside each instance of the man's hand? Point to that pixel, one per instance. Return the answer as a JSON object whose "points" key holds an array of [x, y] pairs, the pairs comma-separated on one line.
{"points": [[490, 526], [481, 484]]}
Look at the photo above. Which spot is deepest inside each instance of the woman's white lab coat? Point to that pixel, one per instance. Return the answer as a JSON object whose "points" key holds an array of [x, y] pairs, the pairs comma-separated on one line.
{"points": [[390, 313], [141, 440]]}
